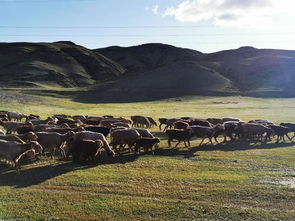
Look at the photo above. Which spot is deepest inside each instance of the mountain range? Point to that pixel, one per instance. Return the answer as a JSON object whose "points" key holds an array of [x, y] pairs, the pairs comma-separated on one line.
{"points": [[147, 72]]}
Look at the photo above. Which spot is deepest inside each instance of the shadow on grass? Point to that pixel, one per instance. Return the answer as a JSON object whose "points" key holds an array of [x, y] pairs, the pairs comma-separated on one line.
{"points": [[227, 146], [37, 175]]}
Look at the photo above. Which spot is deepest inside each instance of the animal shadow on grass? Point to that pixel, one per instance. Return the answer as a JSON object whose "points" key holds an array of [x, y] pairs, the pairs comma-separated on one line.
{"points": [[36, 175], [226, 146]]}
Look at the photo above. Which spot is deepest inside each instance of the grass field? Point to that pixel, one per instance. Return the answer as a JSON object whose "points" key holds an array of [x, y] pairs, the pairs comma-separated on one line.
{"points": [[222, 182]]}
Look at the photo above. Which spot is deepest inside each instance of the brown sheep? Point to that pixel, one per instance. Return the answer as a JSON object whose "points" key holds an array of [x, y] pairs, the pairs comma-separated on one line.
{"points": [[123, 137], [205, 132], [146, 143], [163, 121], [180, 125], [179, 135], [84, 150], [140, 121], [53, 141], [12, 152], [89, 135]]}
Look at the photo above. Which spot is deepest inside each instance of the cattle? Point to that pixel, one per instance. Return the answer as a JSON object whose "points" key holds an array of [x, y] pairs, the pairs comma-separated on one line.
{"points": [[86, 150], [146, 143], [178, 135]]}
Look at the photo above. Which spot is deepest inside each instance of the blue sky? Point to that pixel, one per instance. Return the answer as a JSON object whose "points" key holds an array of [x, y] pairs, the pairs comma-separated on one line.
{"points": [[204, 25]]}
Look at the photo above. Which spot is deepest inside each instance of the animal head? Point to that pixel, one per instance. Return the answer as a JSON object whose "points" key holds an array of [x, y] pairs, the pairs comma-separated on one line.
{"points": [[32, 136], [36, 146]]}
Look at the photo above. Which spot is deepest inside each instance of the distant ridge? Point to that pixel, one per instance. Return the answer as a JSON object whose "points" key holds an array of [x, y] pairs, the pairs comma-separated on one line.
{"points": [[148, 71]]}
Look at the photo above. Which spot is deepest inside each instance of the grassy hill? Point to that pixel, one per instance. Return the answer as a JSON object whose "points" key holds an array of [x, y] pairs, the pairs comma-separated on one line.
{"points": [[62, 63], [147, 72]]}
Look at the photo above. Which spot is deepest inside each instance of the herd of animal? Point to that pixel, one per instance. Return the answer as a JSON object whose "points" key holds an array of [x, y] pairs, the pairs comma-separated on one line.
{"points": [[86, 138]]}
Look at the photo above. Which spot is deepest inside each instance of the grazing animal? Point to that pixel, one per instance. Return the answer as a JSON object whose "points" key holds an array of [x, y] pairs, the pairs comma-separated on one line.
{"points": [[11, 152], [15, 116], [140, 121], [152, 121], [146, 143], [280, 132], [291, 126], [124, 137], [103, 130], [86, 150], [163, 121], [180, 125], [178, 135], [53, 141], [144, 132], [205, 132], [88, 135]]}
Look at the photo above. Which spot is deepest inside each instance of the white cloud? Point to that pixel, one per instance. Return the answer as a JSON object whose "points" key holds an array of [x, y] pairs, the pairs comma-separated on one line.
{"points": [[231, 13], [155, 9]]}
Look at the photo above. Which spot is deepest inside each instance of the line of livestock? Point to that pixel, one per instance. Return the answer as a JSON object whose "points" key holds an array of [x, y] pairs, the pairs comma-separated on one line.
{"points": [[85, 137]]}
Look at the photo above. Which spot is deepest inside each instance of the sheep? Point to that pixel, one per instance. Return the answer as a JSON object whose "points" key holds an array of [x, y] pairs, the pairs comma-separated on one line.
{"points": [[1, 131], [103, 130], [280, 132], [120, 124], [215, 121], [144, 132], [225, 119], [79, 117], [49, 120], [12, 152], [123, 137], [162, 121], [53, 141], [146, 143], [180, 125], [64, 130], [179, 135], [229, 130], [205, 132], [12, 137], [291, 126], [15, 116], [152, 121], [140, 121], [88, 135], [24, 129], [30, 136], [252, 130], [200, 122], [170, 122], [11, 126], [42, 127], [83, 150]]}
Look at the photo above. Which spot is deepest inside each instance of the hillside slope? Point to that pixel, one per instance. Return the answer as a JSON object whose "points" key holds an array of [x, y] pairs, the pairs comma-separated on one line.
{"points": [[61, 63]]}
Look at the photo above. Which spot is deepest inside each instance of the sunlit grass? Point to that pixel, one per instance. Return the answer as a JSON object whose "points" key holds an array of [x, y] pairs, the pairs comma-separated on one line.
{"points": [[223, 182]]}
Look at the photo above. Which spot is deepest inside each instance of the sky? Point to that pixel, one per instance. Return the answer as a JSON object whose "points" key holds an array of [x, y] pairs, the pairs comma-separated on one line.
{"points": [[203, 25]]}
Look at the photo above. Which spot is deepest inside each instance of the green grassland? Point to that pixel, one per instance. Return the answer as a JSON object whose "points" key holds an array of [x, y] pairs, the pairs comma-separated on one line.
{"points": [[222, 182]]}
